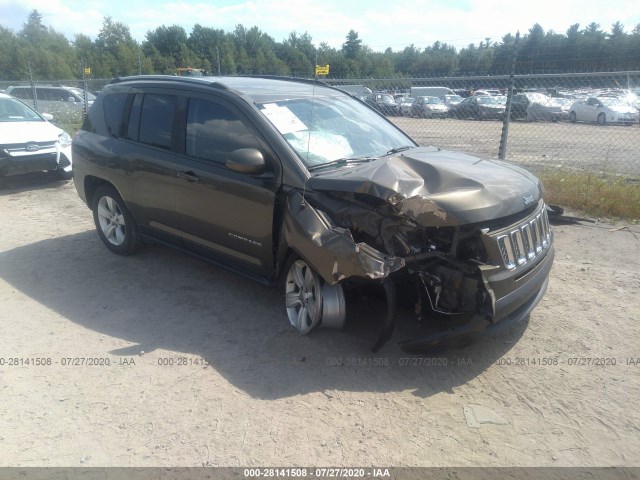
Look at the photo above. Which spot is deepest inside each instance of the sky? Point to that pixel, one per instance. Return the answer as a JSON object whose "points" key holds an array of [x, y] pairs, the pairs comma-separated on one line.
{"points": [[380, 24]]}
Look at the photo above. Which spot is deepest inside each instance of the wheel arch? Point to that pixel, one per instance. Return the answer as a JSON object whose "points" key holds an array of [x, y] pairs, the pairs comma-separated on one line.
{"points": [[91, 184]]}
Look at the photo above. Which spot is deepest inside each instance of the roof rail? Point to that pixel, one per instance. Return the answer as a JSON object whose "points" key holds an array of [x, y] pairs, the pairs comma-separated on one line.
{"points": [[309, 81], [199, 80], [171, 78]]}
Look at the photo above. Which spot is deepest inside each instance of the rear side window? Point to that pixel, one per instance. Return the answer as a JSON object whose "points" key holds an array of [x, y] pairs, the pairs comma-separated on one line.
{"points": [[113, 106], [156, 119], [53, 94], [214, 131], [22, 93]]}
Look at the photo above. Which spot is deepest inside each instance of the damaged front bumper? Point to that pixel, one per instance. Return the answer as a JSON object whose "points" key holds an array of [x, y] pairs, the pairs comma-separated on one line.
{"points": [[510, 310]]}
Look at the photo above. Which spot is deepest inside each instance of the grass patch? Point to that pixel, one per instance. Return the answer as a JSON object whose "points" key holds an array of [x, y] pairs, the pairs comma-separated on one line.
{"points": [[70, 128], [596, 195]]}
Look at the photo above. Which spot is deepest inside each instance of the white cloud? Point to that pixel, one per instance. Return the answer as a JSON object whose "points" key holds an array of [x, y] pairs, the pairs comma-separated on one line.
{"points": [[379, 23]]}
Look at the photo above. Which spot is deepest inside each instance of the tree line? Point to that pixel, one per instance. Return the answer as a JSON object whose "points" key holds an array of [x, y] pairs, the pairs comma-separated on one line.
{"points": [[40, 52]]}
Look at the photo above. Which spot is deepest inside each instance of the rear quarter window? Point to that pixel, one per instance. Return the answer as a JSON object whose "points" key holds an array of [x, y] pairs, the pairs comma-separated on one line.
{"points": [[22, 93], [113, 106]]}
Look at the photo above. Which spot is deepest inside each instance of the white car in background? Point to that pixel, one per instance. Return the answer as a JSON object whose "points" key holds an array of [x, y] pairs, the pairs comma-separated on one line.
{"points": [[603, 110], [29, 143], [404, 106]]}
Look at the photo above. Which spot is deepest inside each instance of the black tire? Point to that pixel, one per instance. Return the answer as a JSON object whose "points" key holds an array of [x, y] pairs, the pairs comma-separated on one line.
{"points": [[602, 119], [119, 232], [572, 117], [62, 175]]}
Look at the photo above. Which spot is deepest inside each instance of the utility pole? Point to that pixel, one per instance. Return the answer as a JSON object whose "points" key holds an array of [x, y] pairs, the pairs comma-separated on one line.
{"points": [[218, 59]]}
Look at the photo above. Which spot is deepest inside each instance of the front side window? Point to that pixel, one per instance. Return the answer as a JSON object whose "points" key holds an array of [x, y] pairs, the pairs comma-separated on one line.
{"points": [[55, 95], [156, 119], [214, 131]]}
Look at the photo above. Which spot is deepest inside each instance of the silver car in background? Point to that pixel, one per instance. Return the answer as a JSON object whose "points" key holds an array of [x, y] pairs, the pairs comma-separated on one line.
{"points": [[65, 103], [429, 107], [404, 106], [603, 110]]}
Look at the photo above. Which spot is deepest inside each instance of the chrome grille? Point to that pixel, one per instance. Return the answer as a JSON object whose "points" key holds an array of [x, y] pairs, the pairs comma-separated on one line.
{"points": [[22, 147], [525, 241]]}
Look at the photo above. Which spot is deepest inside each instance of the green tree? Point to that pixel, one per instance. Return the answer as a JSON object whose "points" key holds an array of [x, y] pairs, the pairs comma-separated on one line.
{"points": [[353, 46], [169, 44]]}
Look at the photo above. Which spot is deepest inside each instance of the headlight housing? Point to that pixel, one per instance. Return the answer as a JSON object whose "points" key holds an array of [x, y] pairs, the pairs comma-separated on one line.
{"points": [[64, 140]]}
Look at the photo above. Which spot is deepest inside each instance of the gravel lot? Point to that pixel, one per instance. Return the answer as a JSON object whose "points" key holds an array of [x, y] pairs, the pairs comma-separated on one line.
{"points": [[245, 389], [612, 148]]}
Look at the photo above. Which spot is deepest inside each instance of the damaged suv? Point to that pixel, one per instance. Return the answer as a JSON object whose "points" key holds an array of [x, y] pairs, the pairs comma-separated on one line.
{"points": [[297, 183]]}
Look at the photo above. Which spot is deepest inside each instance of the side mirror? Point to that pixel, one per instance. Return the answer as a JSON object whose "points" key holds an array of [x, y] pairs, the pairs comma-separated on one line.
{"points": [[249, 161], [47, 116], [71, 99]]}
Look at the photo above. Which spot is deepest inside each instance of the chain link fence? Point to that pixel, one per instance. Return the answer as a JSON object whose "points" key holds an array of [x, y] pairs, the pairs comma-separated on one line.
{"points": [[588, 122]]}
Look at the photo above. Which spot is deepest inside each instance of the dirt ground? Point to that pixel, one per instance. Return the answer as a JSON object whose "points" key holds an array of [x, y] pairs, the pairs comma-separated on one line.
{"points": [[205, 370]]}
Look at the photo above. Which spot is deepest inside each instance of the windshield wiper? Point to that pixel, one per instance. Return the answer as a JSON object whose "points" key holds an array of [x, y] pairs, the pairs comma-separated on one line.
{"points": [[341, 161], [399, 149]]}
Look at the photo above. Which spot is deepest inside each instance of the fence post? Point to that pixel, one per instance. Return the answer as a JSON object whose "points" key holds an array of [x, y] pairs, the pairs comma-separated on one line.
{"points": [[502, 150], [33, 88], [85, 97]]}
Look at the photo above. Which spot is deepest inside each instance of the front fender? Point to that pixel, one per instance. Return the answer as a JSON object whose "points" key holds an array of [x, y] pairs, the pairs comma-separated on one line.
{"points": [[331, 250]]}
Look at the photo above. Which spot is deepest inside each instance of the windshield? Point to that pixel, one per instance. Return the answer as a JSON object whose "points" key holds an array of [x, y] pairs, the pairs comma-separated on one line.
{"points": [[79, 92], [435, 100], [453, 98], [12, 110], [487, 101], [331, 128], [612, 101]]}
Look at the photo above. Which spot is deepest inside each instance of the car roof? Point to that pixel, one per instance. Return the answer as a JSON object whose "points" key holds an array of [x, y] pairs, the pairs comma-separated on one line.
{"points": [[42, 86], [259, 88]]}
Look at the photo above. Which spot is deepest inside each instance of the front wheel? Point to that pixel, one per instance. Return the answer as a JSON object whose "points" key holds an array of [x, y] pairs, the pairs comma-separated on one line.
{"points": [[62, 175], [572, 117], [115, 225], [303, 295], [602, 119]]}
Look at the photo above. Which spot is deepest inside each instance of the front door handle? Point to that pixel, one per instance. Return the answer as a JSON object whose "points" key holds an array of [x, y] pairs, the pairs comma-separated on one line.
{"points": [[192, 177]]}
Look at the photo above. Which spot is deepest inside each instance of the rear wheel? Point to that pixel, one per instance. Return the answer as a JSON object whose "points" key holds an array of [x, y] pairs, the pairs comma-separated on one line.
{"points": [[602, 119], [572, 117], [115, 225]]}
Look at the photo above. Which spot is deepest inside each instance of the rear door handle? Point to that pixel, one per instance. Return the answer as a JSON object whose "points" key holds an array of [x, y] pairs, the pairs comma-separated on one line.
{"points": [[192, 177]]}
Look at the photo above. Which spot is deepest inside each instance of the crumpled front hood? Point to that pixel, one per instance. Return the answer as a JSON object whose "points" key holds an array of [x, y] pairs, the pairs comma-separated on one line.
{"points": [[438, 187]]}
